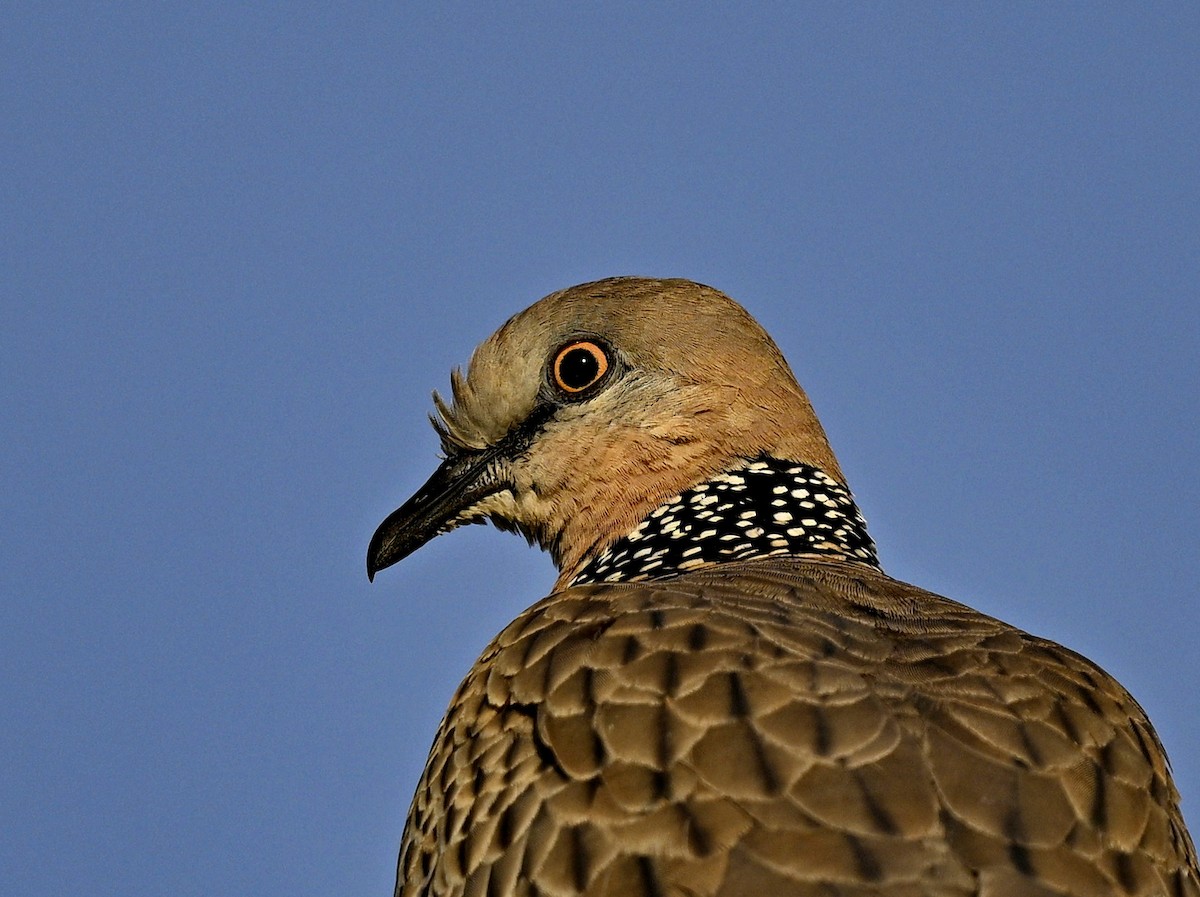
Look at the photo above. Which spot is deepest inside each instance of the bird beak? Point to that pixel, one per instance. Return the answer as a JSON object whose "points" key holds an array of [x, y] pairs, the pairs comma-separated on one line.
{"points": [[444, 502]]}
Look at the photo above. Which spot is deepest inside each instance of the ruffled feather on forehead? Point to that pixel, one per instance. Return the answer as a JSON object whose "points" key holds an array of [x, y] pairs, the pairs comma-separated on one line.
{"points": [[494, 394], [453, 428]]}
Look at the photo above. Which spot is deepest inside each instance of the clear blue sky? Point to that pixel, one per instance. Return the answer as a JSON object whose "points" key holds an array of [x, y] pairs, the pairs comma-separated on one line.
{"points": [[240, 246]]}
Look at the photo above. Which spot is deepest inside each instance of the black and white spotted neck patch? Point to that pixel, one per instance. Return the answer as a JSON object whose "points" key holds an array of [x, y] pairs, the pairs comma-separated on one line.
{"points": [[765, 508]]}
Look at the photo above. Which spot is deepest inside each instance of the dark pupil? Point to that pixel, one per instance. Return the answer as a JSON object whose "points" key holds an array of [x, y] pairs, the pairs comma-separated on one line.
{"points": [[578, 368]]}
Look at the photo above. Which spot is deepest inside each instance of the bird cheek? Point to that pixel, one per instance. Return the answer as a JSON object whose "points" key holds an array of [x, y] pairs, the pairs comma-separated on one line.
{"points": [[532, 500]]}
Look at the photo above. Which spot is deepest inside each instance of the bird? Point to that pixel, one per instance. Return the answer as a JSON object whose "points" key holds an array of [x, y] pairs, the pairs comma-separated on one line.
{"points": [[724, 694]]}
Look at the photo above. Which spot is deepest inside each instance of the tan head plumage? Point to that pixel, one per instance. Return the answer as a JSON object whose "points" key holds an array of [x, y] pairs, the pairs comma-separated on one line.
{"points": [[694, 385]]}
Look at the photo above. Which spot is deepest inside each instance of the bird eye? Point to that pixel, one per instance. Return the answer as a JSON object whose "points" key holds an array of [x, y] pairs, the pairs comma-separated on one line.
{"points": [[579, 365]]}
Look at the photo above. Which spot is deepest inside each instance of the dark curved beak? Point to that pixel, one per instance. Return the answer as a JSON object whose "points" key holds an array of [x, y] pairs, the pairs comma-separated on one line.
{"points": [[443, 503]]}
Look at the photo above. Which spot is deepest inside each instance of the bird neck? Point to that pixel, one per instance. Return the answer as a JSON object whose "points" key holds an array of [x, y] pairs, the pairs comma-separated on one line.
{"points": [[765, 507]]}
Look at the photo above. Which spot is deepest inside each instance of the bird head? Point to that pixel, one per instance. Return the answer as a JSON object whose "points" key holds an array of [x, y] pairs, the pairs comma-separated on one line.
{"points": [[590, 408]]}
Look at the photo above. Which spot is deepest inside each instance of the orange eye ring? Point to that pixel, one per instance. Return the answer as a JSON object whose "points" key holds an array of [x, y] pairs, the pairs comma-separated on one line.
{"points": [[579, 365]]}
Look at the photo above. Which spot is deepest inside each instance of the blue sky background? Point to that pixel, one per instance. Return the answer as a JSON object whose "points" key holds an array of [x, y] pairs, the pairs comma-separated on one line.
{"points": [[240, 246]]}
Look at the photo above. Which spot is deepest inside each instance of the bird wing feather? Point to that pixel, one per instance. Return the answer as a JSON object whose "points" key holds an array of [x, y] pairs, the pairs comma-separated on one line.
{"points": [[794, 728]]}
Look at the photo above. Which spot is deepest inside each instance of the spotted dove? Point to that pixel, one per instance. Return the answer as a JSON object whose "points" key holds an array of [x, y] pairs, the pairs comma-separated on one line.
{"points": [[724, 694]]}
